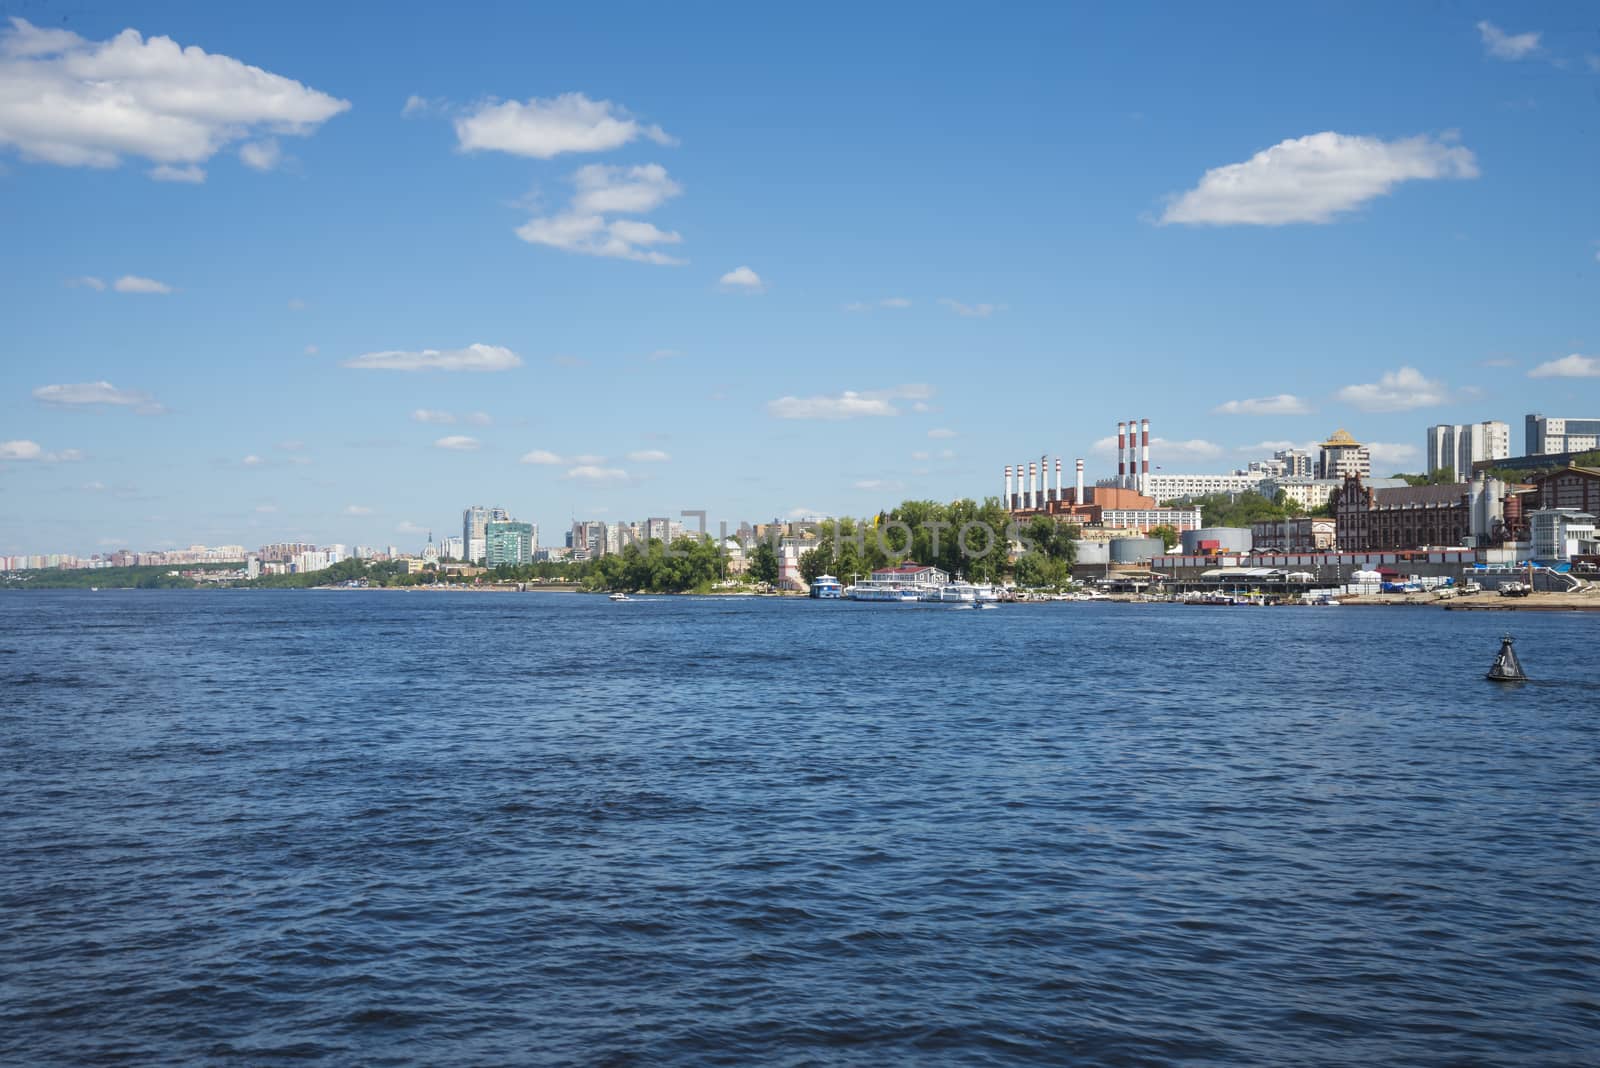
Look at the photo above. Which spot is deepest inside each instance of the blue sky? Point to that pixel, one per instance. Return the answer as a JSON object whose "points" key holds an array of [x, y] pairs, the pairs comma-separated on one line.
{"points": [[967, 239]]}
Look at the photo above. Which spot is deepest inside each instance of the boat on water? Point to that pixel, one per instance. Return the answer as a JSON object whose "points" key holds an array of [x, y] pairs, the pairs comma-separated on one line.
{"points": [[827, 588], [620, 597], [1506, 667]]}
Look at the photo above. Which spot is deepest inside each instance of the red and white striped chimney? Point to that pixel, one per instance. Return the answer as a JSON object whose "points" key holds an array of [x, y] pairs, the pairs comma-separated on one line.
{"points": [[1009, 503], [1144, 463], [1079, 499], [1033, 474], [1122, 454], [1058, 479]]}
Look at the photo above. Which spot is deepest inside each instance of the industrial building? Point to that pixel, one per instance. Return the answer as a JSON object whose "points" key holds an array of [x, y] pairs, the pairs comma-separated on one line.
{"points": [[1122, 505], [1302, 534], [1213, 540], [1416, 517]]}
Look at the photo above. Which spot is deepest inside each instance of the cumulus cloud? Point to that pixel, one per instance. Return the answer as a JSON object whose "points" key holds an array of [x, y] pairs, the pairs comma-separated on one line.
{"points": [[476, 357], [132, 283], [595, 473], [24, 451], [1281, 404], [1573, 366], [1167, 449], [1502, 45], [649, 456], [79, 103], [480, 418], [968, 311], [542, 456], [601, 191], [1395, 391], [253, 461], [1314, 179], [456, 443], [886, 302], [742, 278], [190, 175], [87, 394], [357, 509], [848, 404], [542, 128], [431, 415], [1390, 453], [87, 281], [263, 155]]}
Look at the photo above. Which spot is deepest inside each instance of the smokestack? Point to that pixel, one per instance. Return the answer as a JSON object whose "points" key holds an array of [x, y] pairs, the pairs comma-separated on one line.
{"points": [[1031, 475], [1007, 498], [1079, 499], [1018, 502], [1144, 464], [1044, 481], [1122, 454], [1058, 480], [1133, 454]]}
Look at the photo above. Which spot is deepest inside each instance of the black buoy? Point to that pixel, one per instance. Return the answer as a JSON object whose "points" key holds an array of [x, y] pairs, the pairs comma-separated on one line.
{"points": [[1506, 666]]}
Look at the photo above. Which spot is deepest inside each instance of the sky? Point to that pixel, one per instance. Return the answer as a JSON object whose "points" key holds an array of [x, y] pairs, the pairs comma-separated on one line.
{"points": [[290, 272]]}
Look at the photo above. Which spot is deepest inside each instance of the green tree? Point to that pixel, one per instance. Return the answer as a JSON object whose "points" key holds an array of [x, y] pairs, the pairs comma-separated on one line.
{"points": [[1167, 533], [764, 563]]}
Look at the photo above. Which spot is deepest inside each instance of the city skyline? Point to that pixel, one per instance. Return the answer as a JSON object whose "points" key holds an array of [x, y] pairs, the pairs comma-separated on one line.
{"points": [[657, 267]]}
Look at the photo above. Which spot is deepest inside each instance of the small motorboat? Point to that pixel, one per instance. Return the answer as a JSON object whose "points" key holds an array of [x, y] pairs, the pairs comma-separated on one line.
{"points": [[1506, 666], [620, 597]]}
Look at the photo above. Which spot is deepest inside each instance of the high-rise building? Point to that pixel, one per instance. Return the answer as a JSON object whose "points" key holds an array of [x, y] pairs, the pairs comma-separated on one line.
{"points": [[473, 522], [657, 530], [1343, 455], [508, 542], [450, 548], [1549, 434], [1456, 447]]}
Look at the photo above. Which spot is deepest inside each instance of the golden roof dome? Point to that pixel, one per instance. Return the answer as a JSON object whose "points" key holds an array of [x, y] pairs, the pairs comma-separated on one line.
{"points": [[1341, 439]]}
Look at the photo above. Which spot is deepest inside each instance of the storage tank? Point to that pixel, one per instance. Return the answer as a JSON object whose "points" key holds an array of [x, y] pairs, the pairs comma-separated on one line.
{"points": [[1093, 552], [1136, 550], [1216, 539]]}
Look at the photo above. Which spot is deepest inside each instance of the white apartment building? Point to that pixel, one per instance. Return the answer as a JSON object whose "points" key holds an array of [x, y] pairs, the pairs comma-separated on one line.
{"points": [[1559, 534], [1455, 447], [1551, 434], [1165, 488]]}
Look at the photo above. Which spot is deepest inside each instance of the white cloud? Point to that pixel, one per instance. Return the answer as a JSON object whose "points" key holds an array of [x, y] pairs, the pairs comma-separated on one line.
{"points": [[132, 283], [649, 456], [420, 105], [87, 281], [886, 302], [20, 450], [941, 432], [406, 526], [1314, 179], [79, 103], [1395, 391], [252, 461], [457, 443], [542, 128], [263, 155], [84, 394], [31, 451], [1573, 366], [357, 509], [592, 235], [480, 418], [1281, 404], [542, 456], [846, 405], [431, 415], [588, 458], [477, 357], [744, 278], [622, 190], [166, 172], [1266, 448], [1502, 45], [1163, 449], [95, 487], [1387, 453], [875, 484], [968, 311], [594, 473], [920, 455]]}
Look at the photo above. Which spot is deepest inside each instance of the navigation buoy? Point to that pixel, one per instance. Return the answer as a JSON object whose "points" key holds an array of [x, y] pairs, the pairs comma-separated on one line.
{"points": [[1506, 666]]}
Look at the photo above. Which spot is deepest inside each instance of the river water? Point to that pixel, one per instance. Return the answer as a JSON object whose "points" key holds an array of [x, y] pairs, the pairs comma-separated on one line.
{"points": [[468, 829]]}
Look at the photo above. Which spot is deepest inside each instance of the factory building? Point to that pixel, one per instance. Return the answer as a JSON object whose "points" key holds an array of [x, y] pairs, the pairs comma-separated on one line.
{"points": [[1122, 505], [1216, 540], [1415, 517], [1303, 534]]}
